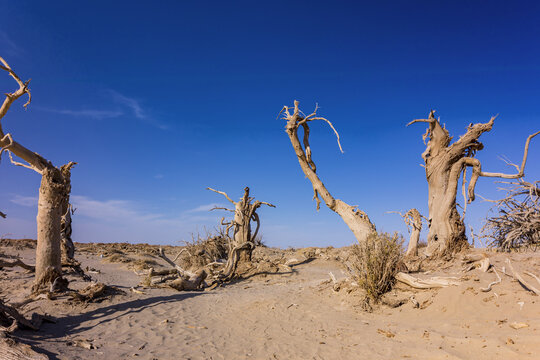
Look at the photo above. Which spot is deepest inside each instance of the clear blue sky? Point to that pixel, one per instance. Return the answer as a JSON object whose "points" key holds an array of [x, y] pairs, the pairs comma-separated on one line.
{"points": [[158, 101]]}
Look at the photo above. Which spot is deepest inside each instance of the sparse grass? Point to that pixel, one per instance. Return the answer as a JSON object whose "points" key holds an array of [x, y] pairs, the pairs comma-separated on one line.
{"points": [[376, 262]]}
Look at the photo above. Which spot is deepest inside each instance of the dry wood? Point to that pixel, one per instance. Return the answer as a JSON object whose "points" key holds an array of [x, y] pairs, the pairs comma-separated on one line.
{"points": [[243, 240], [434, 282], [517, 223], [357, 220], [488, 288], [532, 275], [413, 219], [51, 194], [522, 281], [17, 262], [444, 163], [12, 350]]}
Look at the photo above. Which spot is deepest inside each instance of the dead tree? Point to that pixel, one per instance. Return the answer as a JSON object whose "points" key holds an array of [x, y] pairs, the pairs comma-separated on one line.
{"points": [[444, 164], [413, 219], [243, 240], [357, 220], [52, 192]]}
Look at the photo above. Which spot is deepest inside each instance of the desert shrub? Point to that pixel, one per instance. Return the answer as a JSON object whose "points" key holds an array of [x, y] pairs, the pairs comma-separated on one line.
{"points": [[202, 250], [517, 223], [375, 262]]}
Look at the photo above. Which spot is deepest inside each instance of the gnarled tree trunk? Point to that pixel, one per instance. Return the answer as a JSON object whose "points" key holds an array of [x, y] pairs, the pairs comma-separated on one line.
{"points": [[357, 220], [52, 193], [444, 164], [243, 240]]}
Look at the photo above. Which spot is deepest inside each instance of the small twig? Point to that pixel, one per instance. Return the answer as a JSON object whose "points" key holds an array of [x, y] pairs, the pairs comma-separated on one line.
{"points": [[493, 283]]}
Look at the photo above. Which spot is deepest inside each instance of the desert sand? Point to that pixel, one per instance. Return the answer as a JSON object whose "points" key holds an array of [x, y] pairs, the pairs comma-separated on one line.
{"points": [[296, 312]]}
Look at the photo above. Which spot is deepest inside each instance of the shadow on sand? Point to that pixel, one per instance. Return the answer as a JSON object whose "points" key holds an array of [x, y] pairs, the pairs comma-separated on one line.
{"points": [[72, 325]]}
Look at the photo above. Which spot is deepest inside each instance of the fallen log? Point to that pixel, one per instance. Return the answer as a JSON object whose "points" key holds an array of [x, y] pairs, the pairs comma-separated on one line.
{"points": [[432, 283]]}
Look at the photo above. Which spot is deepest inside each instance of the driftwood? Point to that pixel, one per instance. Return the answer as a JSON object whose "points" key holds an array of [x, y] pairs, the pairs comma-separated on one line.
{"points": [[434, 282]]}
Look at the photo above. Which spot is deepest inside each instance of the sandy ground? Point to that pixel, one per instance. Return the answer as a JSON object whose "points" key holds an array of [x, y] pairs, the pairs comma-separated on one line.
{"points": [[291, 315]]}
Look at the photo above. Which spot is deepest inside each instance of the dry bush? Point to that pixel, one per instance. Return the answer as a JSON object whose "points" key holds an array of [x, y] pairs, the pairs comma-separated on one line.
{"points": [[376, 262], [202, 250], [517, 224]]}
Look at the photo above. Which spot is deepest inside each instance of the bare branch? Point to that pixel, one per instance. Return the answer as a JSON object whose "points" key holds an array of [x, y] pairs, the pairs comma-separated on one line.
{"points": [[521, 170], [522, 281], [221, 208], [11, 97], [222, 193]]}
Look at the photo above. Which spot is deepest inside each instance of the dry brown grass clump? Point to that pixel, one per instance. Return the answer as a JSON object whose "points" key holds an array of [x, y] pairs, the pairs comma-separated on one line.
{"points": [[376, 262]]}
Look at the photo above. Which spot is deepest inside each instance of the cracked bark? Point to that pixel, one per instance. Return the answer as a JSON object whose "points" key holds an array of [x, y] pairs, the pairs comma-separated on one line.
{"points": [[444, 164]]}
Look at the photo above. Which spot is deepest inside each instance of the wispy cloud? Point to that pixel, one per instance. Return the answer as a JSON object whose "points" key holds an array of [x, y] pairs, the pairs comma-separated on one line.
{"points": [[136, 108], [8, 45], [94, 114], [159, 176], [203, 208], [25, 200], [122, 220]]}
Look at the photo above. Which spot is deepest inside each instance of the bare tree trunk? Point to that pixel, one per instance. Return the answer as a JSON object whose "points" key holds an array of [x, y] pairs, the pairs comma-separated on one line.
{"points": [[357, 220], [68, 248], [243, 241], [52, 192], [48, 255], [444, 164]]}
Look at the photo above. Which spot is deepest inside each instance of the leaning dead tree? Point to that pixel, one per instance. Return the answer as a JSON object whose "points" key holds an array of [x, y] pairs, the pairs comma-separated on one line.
{"points": [[52, 192], [445, 163], [517, 222], [413, 219], [243, 239], [357, 220]]}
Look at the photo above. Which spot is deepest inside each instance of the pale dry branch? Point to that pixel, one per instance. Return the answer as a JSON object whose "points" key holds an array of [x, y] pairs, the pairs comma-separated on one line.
{"points": [[222, 193], [532, 275], [499, 280], [519, 278], [434, 282]]}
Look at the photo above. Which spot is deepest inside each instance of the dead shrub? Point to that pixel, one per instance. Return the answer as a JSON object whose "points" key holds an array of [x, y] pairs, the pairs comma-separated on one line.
{"points": [[201, 251], [517, 224], [375, 262]]}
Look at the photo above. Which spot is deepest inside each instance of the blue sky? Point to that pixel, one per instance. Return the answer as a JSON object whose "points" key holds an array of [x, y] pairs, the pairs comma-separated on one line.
{"points": [[157, 102]]}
